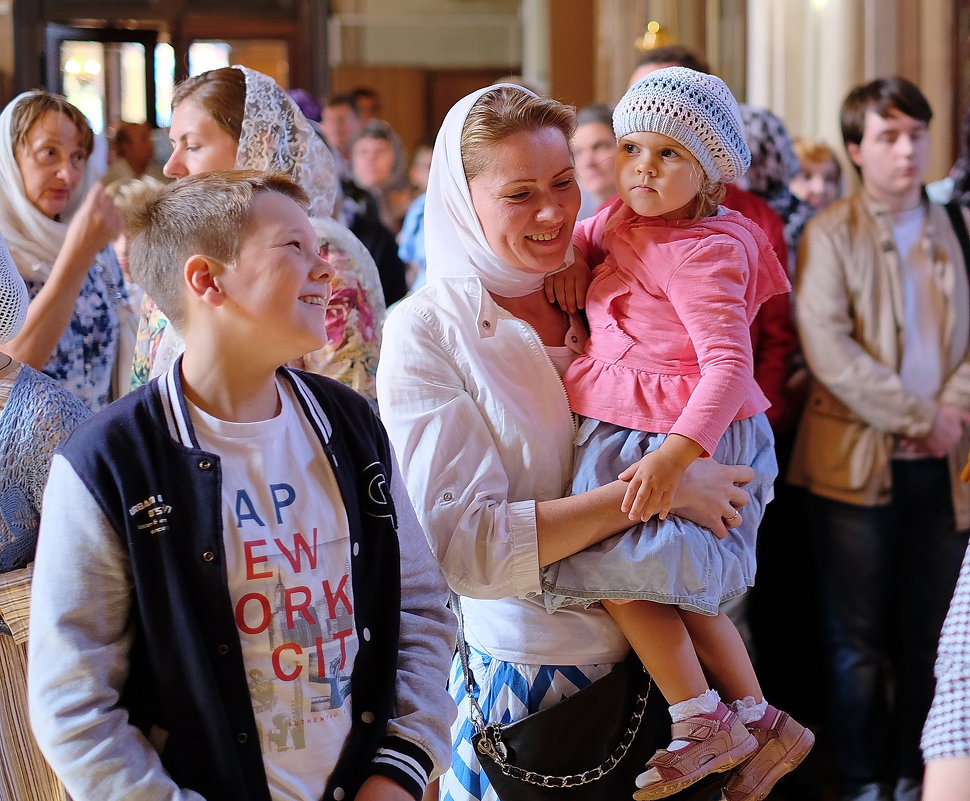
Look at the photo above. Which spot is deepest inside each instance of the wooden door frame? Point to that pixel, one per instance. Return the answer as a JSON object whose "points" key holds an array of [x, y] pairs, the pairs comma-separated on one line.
{"points": [[55, 34]]}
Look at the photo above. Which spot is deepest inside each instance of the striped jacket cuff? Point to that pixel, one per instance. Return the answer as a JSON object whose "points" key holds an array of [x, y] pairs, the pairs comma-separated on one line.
{"points": [[405, 763]]}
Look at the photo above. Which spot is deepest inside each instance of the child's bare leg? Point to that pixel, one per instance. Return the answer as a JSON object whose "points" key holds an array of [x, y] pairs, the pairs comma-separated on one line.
{"points": [[721, 651], [782, 742], [706, 736], [662, 641]]}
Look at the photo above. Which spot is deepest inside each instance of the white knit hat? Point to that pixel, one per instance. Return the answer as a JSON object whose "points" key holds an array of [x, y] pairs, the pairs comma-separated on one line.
{"points": [[692, 108]]}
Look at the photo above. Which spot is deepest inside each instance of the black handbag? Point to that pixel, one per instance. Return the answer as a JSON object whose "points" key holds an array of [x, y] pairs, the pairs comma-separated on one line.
{"points": [[588, 747]]}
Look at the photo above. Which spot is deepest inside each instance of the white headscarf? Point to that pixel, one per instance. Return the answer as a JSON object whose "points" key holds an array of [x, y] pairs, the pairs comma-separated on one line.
{"points": [[454, 239], [277, 137], [34, 239], [13, 296]]}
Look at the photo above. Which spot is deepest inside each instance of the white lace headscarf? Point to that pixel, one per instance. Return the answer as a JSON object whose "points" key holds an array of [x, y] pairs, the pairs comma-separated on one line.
{"points": [[454, 240], [277, 137], [34, 239], [13, 296]]}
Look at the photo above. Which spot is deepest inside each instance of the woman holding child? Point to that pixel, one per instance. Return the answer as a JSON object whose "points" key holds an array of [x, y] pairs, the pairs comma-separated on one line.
{"points": [[470, 392]]}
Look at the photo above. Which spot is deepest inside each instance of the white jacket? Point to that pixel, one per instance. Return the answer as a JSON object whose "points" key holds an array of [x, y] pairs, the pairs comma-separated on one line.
{"points": [[479, 419]]}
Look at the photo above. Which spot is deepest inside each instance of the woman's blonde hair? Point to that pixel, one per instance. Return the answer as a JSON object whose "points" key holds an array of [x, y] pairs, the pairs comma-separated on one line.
{"points": [[35, 106], [502, 112]]}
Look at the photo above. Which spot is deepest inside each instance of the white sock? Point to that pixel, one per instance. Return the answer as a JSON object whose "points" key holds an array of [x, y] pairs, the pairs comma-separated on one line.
{"points": [[747, 710], [703, 704]]}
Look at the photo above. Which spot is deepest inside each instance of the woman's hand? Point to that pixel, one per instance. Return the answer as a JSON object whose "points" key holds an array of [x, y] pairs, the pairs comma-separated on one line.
{"points": [[97, 223], [710, 493]]}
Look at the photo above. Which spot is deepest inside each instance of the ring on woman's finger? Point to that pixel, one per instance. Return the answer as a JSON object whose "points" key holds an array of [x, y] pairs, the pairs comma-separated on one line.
{"points": [[735, 516]]}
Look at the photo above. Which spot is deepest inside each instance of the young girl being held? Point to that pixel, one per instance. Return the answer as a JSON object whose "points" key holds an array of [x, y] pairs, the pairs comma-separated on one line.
{"points": [[667, 378]]}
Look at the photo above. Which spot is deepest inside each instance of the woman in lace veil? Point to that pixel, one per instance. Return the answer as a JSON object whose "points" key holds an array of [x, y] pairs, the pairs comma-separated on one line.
{"points": [[238, 118], [59, 223], [36, 414]]}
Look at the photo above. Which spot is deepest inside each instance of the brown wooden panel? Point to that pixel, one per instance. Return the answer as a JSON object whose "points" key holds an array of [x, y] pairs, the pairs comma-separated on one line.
{"points": [[403, 96], [448, 86], [70, 10], [572, 42], [414, 100]]}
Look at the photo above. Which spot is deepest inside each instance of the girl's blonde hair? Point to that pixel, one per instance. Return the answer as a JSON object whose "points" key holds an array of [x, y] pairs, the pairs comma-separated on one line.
{"points": [[708, 198]]}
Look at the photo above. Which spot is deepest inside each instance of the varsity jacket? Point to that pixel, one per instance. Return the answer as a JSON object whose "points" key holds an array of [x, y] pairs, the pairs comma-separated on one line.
{"points": [[134, 626]]}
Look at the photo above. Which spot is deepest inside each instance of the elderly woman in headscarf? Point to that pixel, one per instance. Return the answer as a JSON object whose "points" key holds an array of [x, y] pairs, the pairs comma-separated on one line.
{"points": [[59, 223], [36, 414], [238, 118]]}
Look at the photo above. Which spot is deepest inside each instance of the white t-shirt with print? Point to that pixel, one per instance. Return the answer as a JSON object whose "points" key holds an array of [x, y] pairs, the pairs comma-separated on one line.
{"points": [[287, 545]]}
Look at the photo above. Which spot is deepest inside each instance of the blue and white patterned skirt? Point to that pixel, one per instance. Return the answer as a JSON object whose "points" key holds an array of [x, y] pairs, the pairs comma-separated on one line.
{"points": [[670, 561], [507, 691]]}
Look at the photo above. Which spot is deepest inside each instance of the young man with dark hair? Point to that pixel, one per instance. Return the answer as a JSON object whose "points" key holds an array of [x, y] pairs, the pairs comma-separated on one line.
{"points": [[883, 310]]}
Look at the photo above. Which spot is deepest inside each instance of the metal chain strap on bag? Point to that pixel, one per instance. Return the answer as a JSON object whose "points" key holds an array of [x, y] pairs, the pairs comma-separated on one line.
{"points": [[489, 737], [490, 744]]}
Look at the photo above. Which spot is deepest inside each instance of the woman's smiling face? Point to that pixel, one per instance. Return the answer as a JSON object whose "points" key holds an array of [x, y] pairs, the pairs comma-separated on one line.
{"points": [[528, 199]]}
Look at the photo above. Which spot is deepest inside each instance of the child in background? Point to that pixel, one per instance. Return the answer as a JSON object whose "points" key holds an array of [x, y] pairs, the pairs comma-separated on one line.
{"points": [[233, 599], [819, 181], [411, 239], [127, 193], [667, 378]]}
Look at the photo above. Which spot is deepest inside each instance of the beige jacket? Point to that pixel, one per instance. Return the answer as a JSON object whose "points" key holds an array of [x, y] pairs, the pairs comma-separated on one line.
{"points": [[849, 310]]}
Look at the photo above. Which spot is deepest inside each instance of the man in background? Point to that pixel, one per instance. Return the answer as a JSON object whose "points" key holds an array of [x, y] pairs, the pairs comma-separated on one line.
{"points": [[883, 310]]}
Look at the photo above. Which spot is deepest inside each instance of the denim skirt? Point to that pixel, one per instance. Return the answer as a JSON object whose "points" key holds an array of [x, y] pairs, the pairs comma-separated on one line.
{"points": [[672, 561]]}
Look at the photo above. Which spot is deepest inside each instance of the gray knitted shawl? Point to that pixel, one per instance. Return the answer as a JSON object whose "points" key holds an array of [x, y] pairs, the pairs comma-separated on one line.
{"points": [[37, 417]]}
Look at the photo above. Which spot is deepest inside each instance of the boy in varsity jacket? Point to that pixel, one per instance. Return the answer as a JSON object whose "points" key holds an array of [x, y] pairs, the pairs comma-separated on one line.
{"points": [[233, 599]]}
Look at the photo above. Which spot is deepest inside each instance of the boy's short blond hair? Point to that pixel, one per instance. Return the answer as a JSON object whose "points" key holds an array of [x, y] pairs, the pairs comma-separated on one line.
{"points": [[202, 214], [130, 194]]}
